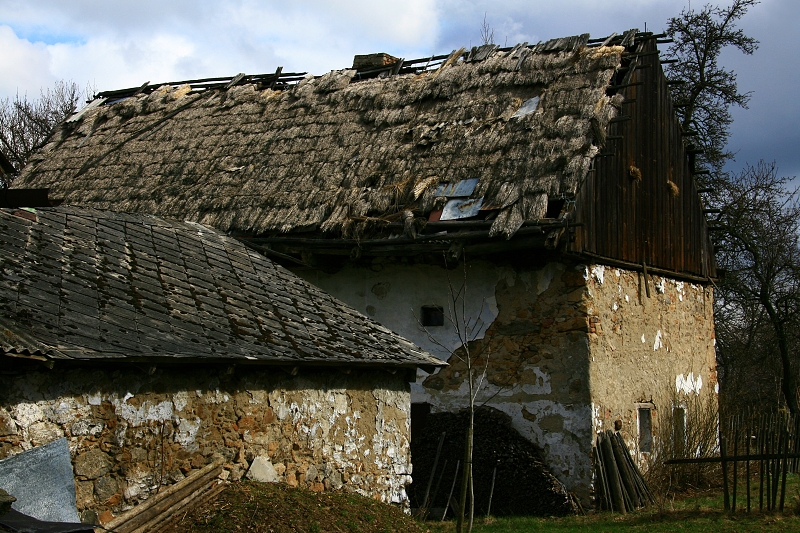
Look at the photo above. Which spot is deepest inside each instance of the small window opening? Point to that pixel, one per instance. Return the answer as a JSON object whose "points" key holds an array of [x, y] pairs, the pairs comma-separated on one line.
{"points": [[432, 315], [645, 430], [554, 208]]}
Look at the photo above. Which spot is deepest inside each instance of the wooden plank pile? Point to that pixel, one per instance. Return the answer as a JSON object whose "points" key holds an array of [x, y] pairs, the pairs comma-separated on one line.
{"points": [[620, 486], [166, 508]]}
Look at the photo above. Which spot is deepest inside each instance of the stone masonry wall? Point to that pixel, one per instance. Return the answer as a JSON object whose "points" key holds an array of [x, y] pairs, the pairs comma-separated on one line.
{"points": [[537, 368], [130, 432], [530, 321], [563, 342], [655, 350]]}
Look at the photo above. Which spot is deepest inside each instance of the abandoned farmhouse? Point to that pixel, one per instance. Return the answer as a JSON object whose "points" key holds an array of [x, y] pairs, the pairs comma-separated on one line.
{"points": [[548, 189]]}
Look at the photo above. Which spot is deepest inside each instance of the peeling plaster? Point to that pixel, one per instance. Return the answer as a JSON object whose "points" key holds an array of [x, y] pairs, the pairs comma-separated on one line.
{"points": [[660, 286], [404, 289], [689, 384], [598, 273], [353, 427], [658, 343]]}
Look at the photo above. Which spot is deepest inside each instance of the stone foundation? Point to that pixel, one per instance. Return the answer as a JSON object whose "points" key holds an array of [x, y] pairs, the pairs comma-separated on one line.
{"points": [[131, 431]]}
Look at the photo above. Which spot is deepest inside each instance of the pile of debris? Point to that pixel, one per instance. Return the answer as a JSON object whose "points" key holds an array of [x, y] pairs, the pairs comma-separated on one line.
{"points": [[506, 466]]}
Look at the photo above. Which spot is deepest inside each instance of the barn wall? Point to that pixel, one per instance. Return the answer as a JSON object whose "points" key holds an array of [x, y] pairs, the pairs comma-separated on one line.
{"points": [[321, 430], [641, 202], [656, 350]]}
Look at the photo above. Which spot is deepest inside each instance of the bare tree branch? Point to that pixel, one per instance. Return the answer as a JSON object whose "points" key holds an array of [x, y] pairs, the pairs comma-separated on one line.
{"points": [[703, 103], [26, 125]]}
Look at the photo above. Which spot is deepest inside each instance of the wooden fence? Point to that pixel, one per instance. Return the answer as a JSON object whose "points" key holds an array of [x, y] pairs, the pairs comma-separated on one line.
{"points": [[761, 449]]}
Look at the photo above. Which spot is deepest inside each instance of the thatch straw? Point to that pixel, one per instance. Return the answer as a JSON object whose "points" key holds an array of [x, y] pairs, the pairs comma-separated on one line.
{"points": [[332, 149]]}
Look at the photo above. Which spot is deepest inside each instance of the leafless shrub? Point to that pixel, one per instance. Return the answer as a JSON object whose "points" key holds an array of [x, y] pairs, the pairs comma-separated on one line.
{"points": [[487, 32], [687, 427]]}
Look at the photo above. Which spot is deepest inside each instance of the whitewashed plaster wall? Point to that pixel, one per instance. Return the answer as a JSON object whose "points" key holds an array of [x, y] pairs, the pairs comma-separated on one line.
{"points": [[394, 294]]}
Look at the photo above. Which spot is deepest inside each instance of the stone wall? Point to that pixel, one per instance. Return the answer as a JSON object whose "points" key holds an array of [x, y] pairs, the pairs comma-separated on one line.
{"points": [[131, 431], [568, 348], [652, 351], [531, 328]]}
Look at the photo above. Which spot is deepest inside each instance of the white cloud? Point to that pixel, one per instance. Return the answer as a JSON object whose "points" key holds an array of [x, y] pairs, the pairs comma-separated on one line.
{"points": [[127, 43], [25, 66]]}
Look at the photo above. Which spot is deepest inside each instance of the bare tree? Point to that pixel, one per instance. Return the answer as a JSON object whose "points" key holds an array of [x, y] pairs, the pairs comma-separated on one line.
{"points": [[467, 329], [487, 32], [708, 90], [25, 125], [758, 299]]}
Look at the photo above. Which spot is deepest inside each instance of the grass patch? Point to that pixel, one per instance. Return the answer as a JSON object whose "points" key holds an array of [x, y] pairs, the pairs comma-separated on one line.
{"points": [[649, 522], [701, 512]]}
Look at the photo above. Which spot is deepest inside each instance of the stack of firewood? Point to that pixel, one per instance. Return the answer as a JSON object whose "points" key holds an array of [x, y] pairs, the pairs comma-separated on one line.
{"points": [[506, 467]]}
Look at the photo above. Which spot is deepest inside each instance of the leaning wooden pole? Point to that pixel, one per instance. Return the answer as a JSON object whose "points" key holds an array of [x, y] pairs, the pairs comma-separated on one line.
{"points": [[425, 500], [612, 472], [735, 431], [624, 473], [452, 489]]}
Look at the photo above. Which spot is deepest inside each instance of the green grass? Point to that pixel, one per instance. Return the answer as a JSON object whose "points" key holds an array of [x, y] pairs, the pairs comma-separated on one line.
{"points": [[689, 521], [698, 513], [248, 507]]}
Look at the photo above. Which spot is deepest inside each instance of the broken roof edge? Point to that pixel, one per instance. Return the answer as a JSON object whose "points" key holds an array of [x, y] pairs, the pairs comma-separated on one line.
{"points": [[428, 364], [394, 66]]}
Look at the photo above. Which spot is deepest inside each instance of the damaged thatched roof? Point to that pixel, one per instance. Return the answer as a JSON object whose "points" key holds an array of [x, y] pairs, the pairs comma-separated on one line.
{"points": [[332, 151], [86, 284]]}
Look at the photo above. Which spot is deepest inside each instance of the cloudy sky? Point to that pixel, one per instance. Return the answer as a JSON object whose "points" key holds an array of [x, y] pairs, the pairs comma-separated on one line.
{"points": [[112, 44]]}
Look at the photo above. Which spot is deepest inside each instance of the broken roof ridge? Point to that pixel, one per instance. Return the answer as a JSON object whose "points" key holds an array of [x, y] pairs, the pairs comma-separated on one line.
{"points": [[279, 79]]}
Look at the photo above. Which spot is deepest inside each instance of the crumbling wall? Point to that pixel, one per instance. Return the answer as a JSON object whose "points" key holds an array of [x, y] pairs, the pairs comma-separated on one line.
{"points": [[647, 350], [532, 330], [536, 359], [131, 431]]}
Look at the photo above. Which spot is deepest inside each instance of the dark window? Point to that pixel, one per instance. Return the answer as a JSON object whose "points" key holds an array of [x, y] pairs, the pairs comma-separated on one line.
{"points": [[645, 430], [432, 315]]}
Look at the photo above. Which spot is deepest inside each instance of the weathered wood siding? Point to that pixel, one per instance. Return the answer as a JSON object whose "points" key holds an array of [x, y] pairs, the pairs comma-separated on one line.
{"points": [[645, 220]]}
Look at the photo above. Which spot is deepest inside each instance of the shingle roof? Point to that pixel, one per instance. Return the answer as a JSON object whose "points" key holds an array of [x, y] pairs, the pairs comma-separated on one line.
{"points": [[88, 284], [334, 152]]}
